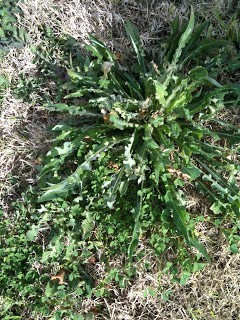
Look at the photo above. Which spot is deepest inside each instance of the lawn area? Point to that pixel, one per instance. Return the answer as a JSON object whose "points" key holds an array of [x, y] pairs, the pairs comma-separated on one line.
{"points": [[119, 159]]}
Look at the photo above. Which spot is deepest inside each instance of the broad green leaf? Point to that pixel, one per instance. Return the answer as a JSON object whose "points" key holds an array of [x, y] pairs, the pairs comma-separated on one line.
{"points": [[51, 289], [55, 191], [234, 248], [123, 187], [95, 52], [198, 76], [73, 110], [88, 223], [180, 100], [198, 266], [216, 207], [198, 73], [31, 234], [75, 75], [175, 129], [119, 123], [65, 149]]}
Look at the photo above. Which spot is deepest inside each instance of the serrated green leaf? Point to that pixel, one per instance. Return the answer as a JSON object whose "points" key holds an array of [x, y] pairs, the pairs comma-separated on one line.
{"points": [[75, 75], [114, 186], [129, 162], [118, 123], [185, 37], [55, 191], [88, 223], [192, 171], [31, 234], [80, 93], [198, 77], [161, 92], [217, 176]]}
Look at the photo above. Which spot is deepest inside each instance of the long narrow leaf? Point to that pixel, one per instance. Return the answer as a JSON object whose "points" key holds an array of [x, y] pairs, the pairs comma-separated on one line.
{"points": [[133, 33], [184, 38]]}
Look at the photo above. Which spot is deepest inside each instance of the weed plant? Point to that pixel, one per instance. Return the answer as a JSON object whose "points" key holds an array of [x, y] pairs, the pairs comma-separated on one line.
{"points": [[145, 131]]}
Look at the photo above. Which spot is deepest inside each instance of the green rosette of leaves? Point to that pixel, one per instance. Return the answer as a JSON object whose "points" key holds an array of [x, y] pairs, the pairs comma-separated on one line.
{"points": [[156, 124]]}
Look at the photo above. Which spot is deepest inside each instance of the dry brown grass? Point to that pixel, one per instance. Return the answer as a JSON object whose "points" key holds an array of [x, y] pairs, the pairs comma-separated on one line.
{"points": [[211, 294], [23, 128]]}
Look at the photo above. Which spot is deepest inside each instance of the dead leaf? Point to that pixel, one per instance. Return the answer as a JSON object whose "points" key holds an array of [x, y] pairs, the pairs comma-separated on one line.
{"points": [[113, 166], [106, 118], [87, 138], [106, 68], [178, 173], [119, 56], [59, 277], [92, 260], [95, 310]]}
